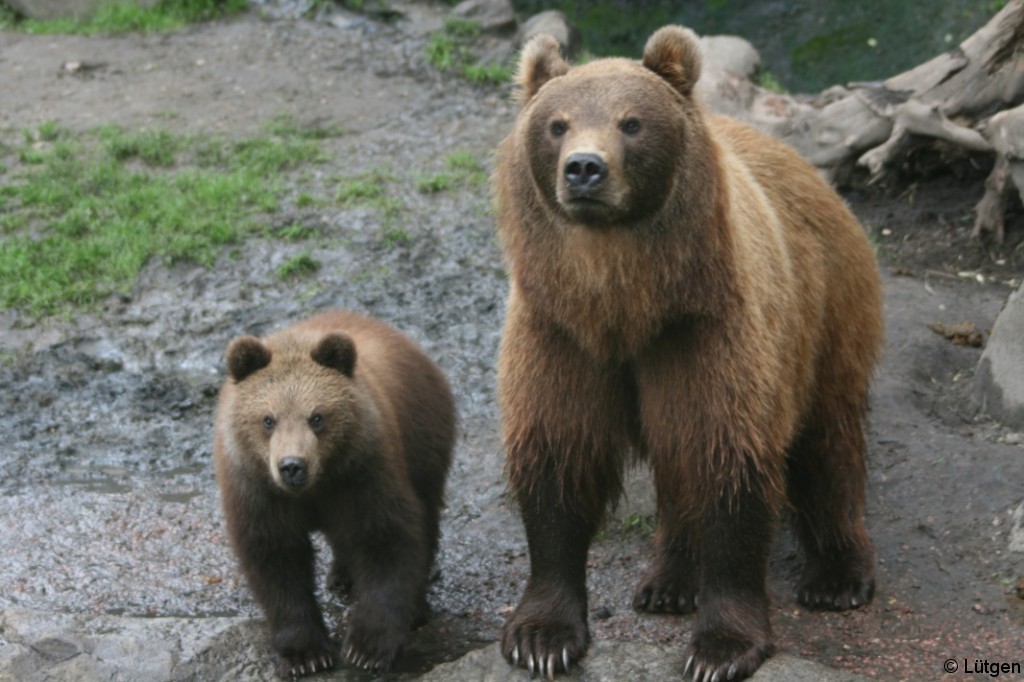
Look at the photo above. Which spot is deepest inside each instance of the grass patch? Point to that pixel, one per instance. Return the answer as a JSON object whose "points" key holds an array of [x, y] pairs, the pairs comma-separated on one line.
{"points": [[366, 189], [461, 168], [449, 50], [432, 184], [298, 266], [121, 16], [370, 190], [288, 127], [83, 213]]}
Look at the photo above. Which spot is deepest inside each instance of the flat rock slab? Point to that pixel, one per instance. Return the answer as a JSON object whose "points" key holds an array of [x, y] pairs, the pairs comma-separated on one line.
{"points": [[83, 648]]}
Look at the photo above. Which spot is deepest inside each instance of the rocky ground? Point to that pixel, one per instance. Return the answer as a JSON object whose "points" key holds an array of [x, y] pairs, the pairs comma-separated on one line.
{"points": [[115, 564]]}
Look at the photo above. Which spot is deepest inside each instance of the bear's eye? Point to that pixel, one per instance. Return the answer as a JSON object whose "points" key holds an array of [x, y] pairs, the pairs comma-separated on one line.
{"points": [[558, 128], [316, 422], [269, 423], [630, 126]]}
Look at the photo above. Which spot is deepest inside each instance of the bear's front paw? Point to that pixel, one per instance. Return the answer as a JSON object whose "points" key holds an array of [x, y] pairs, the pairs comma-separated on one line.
{"points": [[724, 656], [836, 585], [301, 651], [373, 643], [545, 639]]}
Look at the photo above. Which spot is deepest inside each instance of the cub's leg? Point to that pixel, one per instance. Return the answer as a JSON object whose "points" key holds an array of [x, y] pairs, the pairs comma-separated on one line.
{"points": [[387, 565], [276, 555]]}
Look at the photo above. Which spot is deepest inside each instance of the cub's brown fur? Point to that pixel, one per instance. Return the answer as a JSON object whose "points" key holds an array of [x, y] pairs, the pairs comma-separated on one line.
{"points": [[338, 424], [687, 290]]}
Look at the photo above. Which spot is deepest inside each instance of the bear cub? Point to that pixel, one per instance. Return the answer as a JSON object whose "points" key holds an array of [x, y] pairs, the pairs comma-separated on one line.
{"points": [[342, 425]]}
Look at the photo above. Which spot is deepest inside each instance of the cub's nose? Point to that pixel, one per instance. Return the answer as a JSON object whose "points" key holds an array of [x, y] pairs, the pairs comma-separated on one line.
{"points": [[293, 471], [585, 171]]}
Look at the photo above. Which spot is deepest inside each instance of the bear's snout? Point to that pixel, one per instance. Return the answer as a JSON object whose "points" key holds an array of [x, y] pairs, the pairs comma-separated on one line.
{"points": [[584, 173], [294, 472]]}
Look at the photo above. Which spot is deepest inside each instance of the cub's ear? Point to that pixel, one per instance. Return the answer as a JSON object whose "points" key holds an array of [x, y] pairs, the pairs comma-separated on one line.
{"points": [[336, 351], [246, 355], [539, 62], [673, 52]]}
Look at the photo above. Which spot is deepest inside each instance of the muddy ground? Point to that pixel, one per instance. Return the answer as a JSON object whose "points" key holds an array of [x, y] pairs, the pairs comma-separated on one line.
{"points": [[108, 500]]}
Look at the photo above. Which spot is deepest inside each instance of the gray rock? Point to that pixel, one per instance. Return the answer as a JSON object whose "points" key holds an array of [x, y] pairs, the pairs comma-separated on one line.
{"points": [[1017, 529], [552, 23], [57, 647], [493, 16], [1000, 376], [730, 53], [614, 661], [44, 10]]}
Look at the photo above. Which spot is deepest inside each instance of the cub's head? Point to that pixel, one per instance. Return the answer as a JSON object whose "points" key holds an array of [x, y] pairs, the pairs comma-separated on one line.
{"points": [[604, 140], [295, 409]]}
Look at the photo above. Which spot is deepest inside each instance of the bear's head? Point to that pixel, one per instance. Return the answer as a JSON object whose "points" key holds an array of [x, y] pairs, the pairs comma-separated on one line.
{"points": [[606, 141], [296, 408]]}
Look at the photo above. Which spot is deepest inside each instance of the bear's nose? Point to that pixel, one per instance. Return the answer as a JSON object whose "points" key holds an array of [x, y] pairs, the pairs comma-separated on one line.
{"points": [[585, 171], [293, 471]]}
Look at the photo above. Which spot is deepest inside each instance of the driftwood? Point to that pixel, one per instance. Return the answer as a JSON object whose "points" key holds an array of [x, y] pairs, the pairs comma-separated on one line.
{"points": [[967, 101]]}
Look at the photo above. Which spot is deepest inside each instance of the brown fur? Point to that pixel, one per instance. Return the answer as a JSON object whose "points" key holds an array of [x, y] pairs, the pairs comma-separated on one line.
{"points": [[337, 424], [709, 304]]}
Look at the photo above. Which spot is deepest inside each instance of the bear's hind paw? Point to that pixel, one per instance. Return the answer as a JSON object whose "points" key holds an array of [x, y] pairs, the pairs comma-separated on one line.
{"points": [[835, 587]]}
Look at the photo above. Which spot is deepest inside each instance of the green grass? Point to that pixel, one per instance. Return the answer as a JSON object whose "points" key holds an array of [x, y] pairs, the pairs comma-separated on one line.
{"points": [[120, 16], [81, 214], [461, 168], [298, 266], [449, 50]]}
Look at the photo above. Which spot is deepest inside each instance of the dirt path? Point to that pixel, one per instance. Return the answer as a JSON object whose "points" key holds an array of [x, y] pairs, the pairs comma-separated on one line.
{"points": [[108, 496]]}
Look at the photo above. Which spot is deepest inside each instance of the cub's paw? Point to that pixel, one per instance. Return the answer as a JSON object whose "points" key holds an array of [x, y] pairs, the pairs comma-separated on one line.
{"points": [[835, 586], [662, 592], [545, 639], [723, 656], [301, 651], [373, 643]]}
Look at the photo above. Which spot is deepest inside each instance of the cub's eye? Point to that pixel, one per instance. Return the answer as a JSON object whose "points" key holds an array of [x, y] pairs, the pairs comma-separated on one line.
{"points": [[558, 128], [316, 422], [630, 126], [269, 423]]}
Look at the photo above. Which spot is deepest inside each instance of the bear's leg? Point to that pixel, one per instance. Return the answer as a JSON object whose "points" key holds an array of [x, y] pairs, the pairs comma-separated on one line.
{"points": [[568, 422], [826, 488], [277, 558], [733, 635], [670, 583], [548, 630]]}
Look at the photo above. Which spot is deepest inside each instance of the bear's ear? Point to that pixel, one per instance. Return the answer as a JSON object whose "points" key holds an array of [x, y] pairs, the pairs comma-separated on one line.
{"points": [[336, 351], [673, 52], [539, 62], [246, 354]]}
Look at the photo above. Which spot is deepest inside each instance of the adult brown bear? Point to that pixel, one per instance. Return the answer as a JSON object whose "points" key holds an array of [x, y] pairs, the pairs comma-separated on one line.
{"points": [[338, 424], [686, 290]]}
